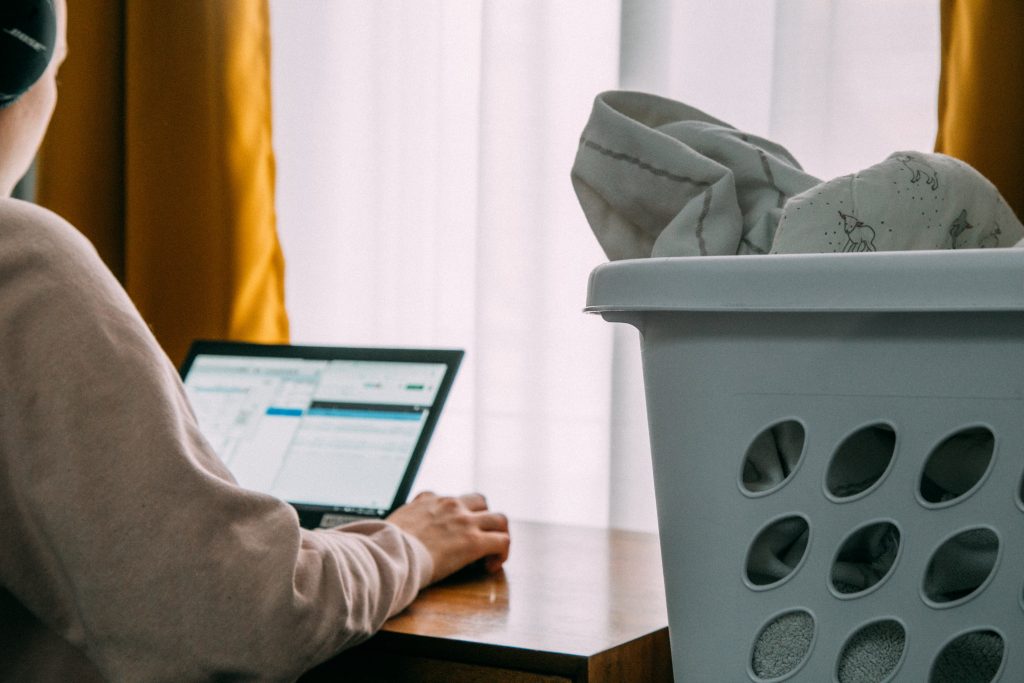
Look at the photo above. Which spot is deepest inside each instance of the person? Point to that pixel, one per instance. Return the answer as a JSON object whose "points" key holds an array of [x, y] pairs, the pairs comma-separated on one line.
{"points": [[128, 551]]}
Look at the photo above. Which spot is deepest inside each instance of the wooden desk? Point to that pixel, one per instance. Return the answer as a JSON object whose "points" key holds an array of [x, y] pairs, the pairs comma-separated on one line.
{"points": [[573, 604]]}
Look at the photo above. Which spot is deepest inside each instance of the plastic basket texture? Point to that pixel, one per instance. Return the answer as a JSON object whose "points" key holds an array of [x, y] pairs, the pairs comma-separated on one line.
{"points": [[865, 363]]}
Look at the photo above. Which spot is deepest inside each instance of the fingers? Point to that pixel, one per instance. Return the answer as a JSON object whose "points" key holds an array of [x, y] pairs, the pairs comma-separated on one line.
{"points": [[493, 541], [496, 548], [496, 544], [492, 521], [456, 530], [493, 563], [474, 501]]}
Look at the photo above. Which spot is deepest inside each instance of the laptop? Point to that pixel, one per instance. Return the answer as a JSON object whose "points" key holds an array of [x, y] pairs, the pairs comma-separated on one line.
{"points": [[339, 433]]}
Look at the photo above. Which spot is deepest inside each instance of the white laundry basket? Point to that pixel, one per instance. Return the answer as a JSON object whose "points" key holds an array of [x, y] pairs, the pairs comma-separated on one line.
{"points": [[926, 347]]}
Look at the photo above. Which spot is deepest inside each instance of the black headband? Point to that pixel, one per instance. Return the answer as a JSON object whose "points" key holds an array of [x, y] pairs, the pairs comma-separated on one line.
{"points": [[28, 31]]}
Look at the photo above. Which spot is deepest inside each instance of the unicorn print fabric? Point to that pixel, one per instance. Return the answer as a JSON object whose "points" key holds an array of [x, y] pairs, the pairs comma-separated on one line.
{"points": [[912, 200], [657, 177]]}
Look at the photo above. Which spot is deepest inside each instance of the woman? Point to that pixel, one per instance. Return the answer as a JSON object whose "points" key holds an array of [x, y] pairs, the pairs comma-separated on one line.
{"points": [[128, 551]]}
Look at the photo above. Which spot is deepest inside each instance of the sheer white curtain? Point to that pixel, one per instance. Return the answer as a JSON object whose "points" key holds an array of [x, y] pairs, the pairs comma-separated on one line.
{"points": [[423, 154]]}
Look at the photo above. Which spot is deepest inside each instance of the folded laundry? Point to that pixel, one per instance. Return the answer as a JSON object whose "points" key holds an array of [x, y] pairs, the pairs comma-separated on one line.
{"points": [[657, 178]]}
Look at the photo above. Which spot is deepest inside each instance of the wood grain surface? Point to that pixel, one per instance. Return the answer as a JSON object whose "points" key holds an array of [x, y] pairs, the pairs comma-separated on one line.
{"points": [[572, 604]]}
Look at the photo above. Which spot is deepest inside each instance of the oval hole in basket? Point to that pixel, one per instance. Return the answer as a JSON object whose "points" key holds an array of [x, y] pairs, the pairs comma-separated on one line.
{"points": [[861, 460], [872, 653], [777, 550], [956, 465], [865, 558], [1020, 493], [782, 645], [960, 566], [772, 456], [973, 657]]}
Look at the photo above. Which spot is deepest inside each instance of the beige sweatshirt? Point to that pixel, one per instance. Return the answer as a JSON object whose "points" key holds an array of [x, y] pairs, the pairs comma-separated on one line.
{"points": [[126, 549]]}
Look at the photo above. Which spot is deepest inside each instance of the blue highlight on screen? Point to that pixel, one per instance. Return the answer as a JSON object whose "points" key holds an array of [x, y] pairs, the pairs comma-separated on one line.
{"points": [[345, 412], [368, 414], [285, 412]]}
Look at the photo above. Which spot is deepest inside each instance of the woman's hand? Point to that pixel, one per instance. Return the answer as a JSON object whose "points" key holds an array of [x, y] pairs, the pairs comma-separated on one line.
{"points": [[456, 531]]}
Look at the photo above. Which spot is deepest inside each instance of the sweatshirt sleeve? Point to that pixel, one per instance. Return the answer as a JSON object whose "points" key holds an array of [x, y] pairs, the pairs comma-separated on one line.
{"points": [[134, 541]]}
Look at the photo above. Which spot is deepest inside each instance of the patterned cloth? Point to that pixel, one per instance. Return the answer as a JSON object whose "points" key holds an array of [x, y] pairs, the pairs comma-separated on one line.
{"points": [[659, 178], [912, 200]]}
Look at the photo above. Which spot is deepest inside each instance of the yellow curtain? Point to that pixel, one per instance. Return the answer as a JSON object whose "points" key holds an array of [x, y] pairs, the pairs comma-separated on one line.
{"points": [[160, 152], [981, 91]]}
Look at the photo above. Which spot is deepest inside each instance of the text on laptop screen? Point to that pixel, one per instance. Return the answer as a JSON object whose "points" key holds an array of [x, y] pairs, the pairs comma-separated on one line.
{"points": [[306, 430]]}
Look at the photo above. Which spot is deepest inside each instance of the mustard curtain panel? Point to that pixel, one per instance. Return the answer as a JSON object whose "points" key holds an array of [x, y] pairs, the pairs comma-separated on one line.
{"points": [[981, 91], [160, 152]]}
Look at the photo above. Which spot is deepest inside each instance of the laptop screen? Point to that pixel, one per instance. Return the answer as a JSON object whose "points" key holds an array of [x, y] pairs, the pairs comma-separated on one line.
{"points": [[336, 430]]}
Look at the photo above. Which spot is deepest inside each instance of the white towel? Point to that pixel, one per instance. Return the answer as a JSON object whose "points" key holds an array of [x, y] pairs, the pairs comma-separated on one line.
{"points": [[657, 177]]}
